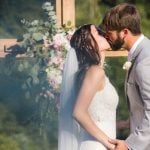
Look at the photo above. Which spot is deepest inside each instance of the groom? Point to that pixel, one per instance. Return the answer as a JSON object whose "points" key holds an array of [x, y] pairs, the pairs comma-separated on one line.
{"points": [[122, 25]]}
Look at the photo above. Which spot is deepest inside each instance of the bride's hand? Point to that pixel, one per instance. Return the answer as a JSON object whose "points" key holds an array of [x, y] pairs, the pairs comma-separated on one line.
{"points": [[109, 145]]}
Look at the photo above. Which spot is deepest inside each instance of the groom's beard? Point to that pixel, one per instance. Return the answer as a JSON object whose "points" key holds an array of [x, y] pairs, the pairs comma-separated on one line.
{"points": [[117, 44]]}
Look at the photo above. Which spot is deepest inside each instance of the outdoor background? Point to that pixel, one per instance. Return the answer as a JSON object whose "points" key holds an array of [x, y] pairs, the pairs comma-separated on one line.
{"points": [[21, 124]]}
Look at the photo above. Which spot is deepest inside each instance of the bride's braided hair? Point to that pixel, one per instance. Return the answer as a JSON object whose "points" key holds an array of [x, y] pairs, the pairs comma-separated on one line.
{"points": [[86, 50], [85, 46]]}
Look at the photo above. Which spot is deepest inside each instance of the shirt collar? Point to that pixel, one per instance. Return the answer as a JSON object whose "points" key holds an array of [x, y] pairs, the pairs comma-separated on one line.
{"points": [[138, 41]]}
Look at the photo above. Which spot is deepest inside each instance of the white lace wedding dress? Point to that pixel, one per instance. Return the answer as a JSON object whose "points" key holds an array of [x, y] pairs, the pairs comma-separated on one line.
{"points": [[103, 112]]}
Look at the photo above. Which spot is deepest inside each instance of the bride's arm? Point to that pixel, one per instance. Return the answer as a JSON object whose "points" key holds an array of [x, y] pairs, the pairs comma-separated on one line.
{"points": [[94, 80]]}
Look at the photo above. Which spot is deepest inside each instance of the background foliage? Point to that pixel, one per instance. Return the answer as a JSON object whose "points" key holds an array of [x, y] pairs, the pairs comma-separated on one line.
{"points": [[20, 115]]}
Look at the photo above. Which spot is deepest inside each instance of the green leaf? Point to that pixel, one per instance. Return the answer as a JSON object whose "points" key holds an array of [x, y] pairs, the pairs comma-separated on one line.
{"points": [[27, 95], [20, 67], [37, 36], [26, 36]]}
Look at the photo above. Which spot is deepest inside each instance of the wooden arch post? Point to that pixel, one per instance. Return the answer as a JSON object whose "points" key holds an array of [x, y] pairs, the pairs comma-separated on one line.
{"points": [[65, 11]]}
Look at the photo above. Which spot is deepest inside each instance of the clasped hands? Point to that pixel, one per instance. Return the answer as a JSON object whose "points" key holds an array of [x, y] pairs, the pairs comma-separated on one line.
{"points": [[119, 144]]}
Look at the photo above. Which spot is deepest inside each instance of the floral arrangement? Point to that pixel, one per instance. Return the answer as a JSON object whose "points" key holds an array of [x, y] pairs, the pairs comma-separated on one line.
{"points": [[48, 44], [59, 45]]}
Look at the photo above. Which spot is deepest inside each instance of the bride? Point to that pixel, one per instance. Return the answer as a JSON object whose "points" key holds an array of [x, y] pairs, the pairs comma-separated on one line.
{"points": [[87, 116]]}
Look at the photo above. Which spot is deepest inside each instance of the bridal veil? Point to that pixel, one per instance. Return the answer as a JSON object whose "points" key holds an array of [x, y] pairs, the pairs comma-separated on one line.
{"points": [[68, 127]]}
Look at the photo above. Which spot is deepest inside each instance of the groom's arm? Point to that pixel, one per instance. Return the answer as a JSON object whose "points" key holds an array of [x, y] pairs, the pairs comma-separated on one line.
{"points": [[140, 138]]}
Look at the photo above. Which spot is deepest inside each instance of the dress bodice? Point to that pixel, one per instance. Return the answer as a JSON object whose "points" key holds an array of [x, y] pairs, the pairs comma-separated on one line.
{"points": [[104, 103], [103, 113]]}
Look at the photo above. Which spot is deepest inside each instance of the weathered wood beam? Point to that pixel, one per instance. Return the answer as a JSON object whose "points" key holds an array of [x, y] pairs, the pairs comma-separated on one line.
{"points": [[65, 11], [59, 11], [7, 43], [119, 53]]}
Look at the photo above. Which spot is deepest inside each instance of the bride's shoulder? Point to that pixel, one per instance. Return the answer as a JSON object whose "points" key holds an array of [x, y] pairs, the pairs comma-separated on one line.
{"points": [[95, 72]]}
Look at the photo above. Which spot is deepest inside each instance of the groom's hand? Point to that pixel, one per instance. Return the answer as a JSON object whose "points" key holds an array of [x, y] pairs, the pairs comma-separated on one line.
{"points": [[120, 144]]}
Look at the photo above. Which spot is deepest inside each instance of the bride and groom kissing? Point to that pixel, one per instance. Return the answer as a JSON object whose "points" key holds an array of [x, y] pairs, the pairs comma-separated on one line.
{"points": [[87, 115]]}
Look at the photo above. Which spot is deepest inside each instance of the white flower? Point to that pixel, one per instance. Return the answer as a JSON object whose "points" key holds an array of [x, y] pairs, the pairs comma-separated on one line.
{"points": [[127, 65]]}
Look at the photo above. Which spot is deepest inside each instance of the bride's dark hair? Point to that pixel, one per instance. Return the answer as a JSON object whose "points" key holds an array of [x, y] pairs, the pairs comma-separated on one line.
{"points": [[86, 50], [85, 46]]}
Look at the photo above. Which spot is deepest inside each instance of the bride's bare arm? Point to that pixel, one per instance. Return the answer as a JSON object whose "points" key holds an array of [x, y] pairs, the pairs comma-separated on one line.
{"points": [[94, 80]]}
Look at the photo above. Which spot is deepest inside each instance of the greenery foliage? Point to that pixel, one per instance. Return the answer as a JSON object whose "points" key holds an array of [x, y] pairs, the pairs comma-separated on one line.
{"points": [[38, 76], [20, 119], [15, 135], [11, 12], [47, 44], [30, 75]]}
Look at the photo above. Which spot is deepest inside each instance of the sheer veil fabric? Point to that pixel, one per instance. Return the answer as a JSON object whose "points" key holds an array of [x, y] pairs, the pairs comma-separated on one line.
{"points": [[68, 127]]}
